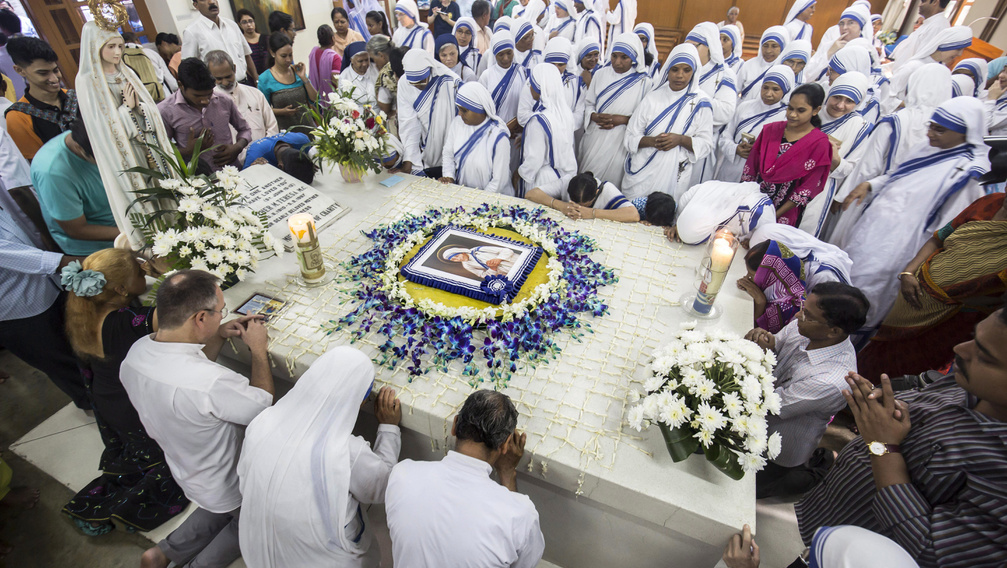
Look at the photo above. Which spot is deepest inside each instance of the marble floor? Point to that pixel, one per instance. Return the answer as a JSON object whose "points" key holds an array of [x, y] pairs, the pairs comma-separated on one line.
{"points": [[55, 447]]}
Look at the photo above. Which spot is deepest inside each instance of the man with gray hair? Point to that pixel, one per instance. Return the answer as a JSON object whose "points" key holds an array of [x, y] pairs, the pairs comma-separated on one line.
{"points": [[450, 513], [251, 103], [197, 410]]}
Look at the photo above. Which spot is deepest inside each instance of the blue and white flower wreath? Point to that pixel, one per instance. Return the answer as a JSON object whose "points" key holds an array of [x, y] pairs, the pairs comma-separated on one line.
{"points": [[430, 335]]}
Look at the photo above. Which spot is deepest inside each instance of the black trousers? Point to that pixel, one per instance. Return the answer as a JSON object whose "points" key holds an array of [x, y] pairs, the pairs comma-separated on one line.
{"points": [[779, 481], [41, 342], [435, 173]]}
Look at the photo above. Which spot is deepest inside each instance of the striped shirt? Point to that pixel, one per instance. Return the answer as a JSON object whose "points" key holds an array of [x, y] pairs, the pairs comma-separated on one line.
{"points": [[954, 513], [27, 287], [810, 384]]}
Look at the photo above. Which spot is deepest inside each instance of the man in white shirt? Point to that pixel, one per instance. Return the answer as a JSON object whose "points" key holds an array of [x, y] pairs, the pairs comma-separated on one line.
{"points": [[197, 410], [450, 513], [210, 32], [251, 103], [935, 22], [814, 355]]}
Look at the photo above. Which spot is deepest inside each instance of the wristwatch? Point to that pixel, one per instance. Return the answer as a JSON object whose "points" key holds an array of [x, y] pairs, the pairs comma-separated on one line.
{"points": [[881, 448]]}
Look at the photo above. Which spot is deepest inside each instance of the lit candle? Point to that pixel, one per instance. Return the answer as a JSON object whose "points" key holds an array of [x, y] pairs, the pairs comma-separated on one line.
{"points": [[309, 254], [722, 251]]}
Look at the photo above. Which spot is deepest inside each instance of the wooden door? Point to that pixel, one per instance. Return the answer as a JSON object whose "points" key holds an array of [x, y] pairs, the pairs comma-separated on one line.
{"points": [[59, 23]]}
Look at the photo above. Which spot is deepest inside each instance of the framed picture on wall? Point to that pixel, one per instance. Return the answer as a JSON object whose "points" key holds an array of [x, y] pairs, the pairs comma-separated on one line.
{"points": [[261, 9]]}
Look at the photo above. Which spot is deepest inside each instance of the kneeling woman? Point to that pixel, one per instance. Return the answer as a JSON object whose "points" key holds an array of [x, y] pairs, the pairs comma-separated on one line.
{"points": [[590, 199], [670, 131], [477, 146], [790, 160], [548, 162], [775, 281], [136, 486]]}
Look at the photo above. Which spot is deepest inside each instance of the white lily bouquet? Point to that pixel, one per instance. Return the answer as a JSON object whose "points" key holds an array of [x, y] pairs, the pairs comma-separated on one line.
{"points": [[711, 390], [200, 222], [348, 134]]}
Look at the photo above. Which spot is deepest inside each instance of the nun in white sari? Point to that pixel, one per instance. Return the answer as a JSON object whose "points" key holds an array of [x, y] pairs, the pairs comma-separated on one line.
{"points": [[558, 52], [548, 161], [303, 475], [119, 127], [720, 85], [426, 103], [645, 32], [856, 17], [565, 26], [923, 193], [849, 546], [357, 11], [799, 29], [612, 99], [849, 58], [748, 121], [893, 138], [975, 69], [588, 24], [822, 262], [414, 35], [705, 208], [670, 132], [532, 56], [753, 70], [620, 21], [842, 122], [469, 53], [733, 59], [504, 84], [477, 152], [796, 56], [944, 47]]}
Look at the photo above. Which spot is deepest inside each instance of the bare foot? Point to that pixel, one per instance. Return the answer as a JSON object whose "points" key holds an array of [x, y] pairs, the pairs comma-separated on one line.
{"points": [[154, 558], [21, 498]]}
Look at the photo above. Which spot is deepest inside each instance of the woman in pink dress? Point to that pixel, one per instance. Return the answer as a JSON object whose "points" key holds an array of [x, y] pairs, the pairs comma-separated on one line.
{"points": [[790, 160]]}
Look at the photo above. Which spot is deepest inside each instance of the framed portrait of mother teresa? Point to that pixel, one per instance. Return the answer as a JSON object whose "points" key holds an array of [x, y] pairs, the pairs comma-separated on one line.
{"points": [[460, 260], [261, 9]]}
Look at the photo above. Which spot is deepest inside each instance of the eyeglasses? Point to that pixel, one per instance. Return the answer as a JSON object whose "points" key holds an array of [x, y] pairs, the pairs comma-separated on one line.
{"points": [[222, 311]]}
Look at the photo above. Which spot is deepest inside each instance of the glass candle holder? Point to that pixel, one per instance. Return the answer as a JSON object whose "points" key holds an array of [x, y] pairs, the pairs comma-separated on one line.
{"points": [[309, 253], [712, 274]]}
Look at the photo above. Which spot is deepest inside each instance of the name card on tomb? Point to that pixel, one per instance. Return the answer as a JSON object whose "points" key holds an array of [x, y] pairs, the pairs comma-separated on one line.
{"points": [[278, 195]]}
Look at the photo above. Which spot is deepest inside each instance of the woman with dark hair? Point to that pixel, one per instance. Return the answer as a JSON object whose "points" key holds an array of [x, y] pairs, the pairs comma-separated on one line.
{"points": [[345, 35], [377, 24], [259, 43], [791, 160], [324, 62], [286, 85], [775, 281], [590, 198], [358, 10]]}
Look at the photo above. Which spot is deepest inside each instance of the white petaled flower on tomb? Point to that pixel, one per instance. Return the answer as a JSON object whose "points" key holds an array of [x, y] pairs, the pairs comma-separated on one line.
{"points": [[711, 392]]}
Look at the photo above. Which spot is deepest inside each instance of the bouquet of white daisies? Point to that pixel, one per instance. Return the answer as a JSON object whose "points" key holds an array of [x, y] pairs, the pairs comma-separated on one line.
{"points": [[348, 134], [200, 222], [711, 390]]}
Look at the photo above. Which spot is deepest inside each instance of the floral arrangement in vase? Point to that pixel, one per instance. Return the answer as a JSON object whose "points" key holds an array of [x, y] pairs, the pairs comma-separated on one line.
{"points": [[349, 135], [711, 390], [200, 222]]}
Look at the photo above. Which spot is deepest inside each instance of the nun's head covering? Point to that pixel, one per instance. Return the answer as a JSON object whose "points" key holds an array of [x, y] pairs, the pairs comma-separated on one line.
{"points": [[781, 75], [351, 50], [524, 28], [732, 31], [532, 12], [965, 115], [994, 67], [962, 86], [852, 85], [977, 68], [559, 50], [584, 47], [466, 22], [854, 547], [872, 52], [474, 96], [861, 15], [929, 86], [419, 65], [707, 33], [547, 82], [875, 18], [646, 30], [629, 44], [408, 7], [798, 7], [503, 23], [851, 58], [779, 34], [797, 49], [500, 41], [683, 53], [566, 5], [948, 39], [441, 41]]}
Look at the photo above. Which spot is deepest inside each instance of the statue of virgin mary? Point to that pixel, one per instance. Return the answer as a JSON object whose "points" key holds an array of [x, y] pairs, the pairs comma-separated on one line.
{"points": [[122, 120]]}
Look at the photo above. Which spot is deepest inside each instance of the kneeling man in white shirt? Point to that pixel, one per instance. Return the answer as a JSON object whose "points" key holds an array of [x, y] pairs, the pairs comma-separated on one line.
{"points": [[197, 410], [450, 513]]}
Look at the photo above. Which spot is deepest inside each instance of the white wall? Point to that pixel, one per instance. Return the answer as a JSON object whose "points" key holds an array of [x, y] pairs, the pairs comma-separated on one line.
{"points": [[173, 16], [983, 8]]}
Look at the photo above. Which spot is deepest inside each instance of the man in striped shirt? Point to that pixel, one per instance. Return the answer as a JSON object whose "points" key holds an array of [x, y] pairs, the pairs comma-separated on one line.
{"points": [[930, 468], [814, 354]]}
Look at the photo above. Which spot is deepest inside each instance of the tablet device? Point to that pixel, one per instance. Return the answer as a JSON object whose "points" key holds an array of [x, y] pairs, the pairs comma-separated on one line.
{"points": [[260, 304]]}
